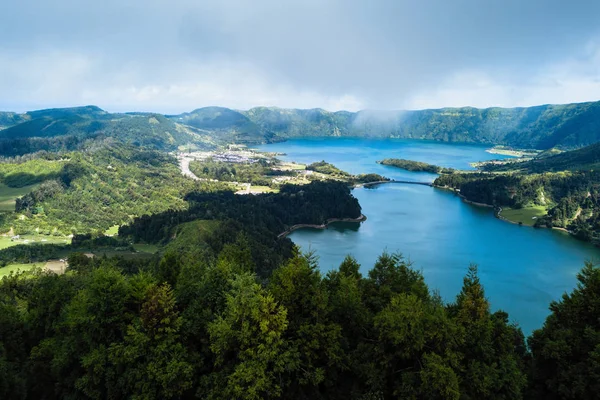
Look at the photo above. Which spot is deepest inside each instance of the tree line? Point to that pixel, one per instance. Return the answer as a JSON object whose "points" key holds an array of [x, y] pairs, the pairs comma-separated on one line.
{"points": [[571, 197], [208, 327], [227, 310]]}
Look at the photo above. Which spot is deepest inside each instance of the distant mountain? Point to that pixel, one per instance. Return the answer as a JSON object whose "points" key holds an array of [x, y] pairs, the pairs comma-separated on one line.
{"points": [[224, 124], [8, 119], [541, 127], [288, 123], [74, 128]]}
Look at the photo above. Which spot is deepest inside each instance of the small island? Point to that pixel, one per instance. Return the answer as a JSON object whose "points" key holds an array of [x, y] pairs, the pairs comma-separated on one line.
{"points": [[415, 166], [334, 172]]}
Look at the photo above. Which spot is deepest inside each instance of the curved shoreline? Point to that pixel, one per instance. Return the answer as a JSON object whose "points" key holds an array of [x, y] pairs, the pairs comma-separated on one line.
{"points": [[322, 226], [498, 211], [463, 198]]}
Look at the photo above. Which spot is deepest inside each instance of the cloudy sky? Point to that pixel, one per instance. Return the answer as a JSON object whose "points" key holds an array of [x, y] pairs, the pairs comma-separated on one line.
{"points": [[178, 55]]}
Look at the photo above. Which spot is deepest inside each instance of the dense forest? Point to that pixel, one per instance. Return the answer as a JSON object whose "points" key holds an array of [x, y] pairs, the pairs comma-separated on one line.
{"points": [[200, 321]]}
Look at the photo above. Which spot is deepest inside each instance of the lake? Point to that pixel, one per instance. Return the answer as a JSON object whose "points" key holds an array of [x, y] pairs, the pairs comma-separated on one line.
{"points": [[523, 269]]}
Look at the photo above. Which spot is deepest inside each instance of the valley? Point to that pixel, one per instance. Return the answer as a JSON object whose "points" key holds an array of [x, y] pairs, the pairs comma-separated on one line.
{"points": [[195, 214]]}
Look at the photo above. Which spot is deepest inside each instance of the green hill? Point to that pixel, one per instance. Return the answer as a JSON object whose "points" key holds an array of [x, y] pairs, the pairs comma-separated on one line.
{"points": [[541, 127], [288, 123], [584, 159], [81, 127], [8, 119], [224, 124]]}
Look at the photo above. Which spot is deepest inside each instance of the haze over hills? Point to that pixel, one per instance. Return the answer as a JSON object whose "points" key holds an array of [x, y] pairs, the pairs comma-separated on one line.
{"points": [[66, 129], [541, 127]]}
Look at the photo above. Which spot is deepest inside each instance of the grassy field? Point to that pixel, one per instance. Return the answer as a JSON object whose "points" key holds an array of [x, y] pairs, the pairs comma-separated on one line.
{"points": [[262, 189], [112, 231], [18, 267], [525, 215], [8, 195], [5, 241], [290, 166], [145, 248]]}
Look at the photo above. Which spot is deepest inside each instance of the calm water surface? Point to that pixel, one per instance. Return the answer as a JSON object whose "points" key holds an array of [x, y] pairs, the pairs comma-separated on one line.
{"points": [[522, 268]]}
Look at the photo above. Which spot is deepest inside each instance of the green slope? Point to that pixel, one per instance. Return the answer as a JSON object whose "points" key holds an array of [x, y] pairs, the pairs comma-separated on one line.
{"points": [[584, 159], [224, 125], [542, 127], [82, 127]]}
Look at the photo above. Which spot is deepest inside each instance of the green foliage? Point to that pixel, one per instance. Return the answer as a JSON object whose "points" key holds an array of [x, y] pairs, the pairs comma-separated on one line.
{"points": [[228, 309], [247, 342], [571, 198], [152, 358], [410, 165], [228, 126], [584, 159], [541, 127], [17, 175], [256, 173], [102, 332], [262, 217], [565, 351], [69, 129], [94, 191], [327, 169]]}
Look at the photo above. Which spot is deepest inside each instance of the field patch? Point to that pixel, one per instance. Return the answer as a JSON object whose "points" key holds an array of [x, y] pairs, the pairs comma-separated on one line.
{"points": [[8, 195], [4, 271], [526, 215]]}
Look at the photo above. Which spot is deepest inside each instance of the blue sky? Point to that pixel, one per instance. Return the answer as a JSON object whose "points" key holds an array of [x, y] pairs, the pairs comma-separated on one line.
{"points": [[178, 55]]}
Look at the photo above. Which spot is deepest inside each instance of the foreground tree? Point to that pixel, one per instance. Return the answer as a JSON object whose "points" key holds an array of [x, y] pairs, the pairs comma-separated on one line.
{"points": [[247, 341], [566, 351], [492, 349]]}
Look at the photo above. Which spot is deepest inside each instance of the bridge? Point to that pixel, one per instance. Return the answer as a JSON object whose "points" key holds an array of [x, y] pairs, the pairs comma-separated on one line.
{"points": [[430, 184]]}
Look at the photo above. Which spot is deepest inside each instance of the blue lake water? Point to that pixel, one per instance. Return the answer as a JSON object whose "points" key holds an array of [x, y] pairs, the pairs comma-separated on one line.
{"points": [[522, 268]]}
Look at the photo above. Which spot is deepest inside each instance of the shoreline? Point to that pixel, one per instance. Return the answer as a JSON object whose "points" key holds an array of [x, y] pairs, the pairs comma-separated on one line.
{"points": [[322, 226], [463, 198], [498, 211], [501, 218]]}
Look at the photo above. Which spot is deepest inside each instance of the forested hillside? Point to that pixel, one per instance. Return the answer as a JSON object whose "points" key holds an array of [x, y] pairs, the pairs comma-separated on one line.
{"points": [[541, 127], [85, 127], [205, 319], [584, 159], [225, 125], [561, 191], [8, 119], [91, 191]]}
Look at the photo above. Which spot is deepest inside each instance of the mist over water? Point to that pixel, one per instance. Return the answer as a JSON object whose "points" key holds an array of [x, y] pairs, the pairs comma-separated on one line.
{"points": [[523, 269]]}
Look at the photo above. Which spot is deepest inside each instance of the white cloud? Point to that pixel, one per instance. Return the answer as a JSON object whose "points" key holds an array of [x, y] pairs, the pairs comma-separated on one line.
{"points": [[176, 55], [576, 79]]}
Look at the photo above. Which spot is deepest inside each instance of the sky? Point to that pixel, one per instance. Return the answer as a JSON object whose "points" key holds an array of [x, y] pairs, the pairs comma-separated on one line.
{"points": [[178, 55]]}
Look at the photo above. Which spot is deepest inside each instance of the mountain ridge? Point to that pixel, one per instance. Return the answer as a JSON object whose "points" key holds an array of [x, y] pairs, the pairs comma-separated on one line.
{"points": [[565, 126]]}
